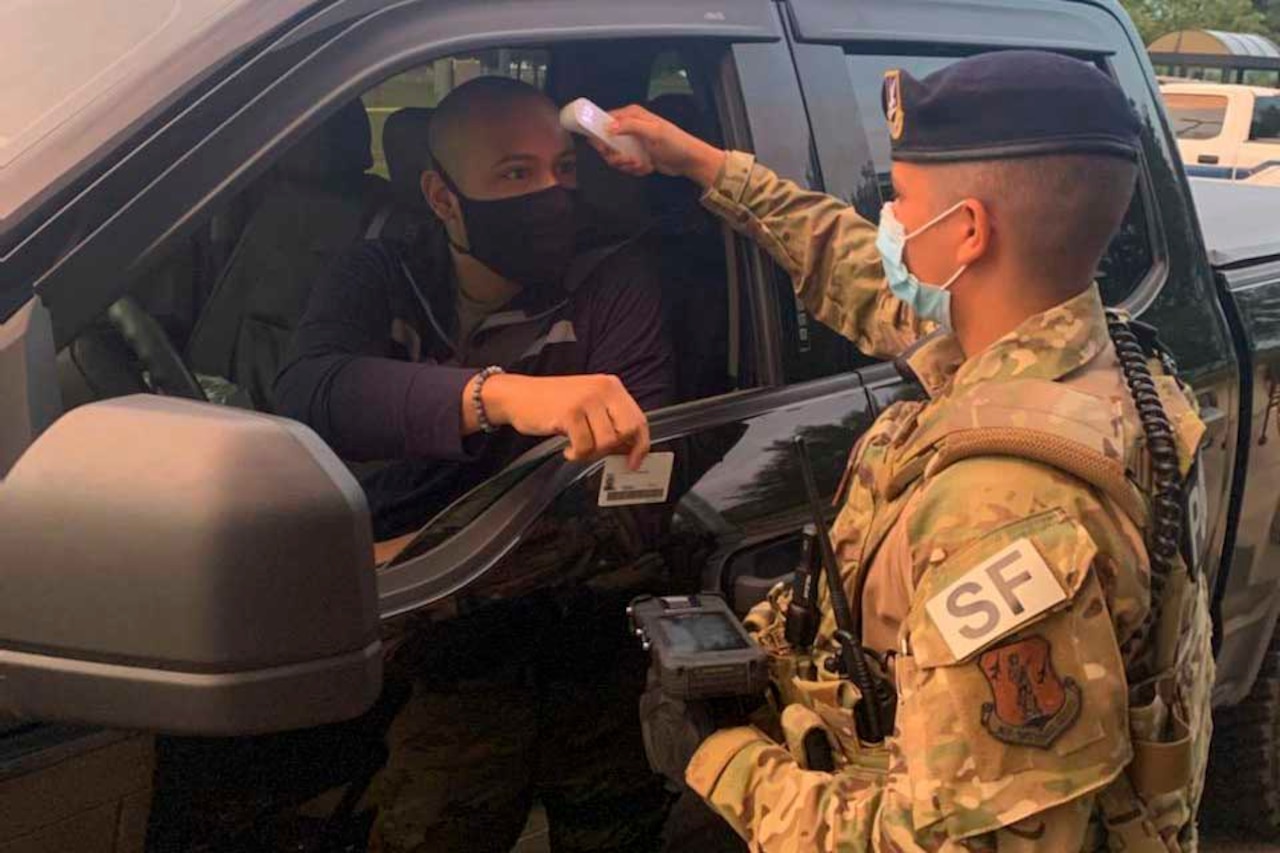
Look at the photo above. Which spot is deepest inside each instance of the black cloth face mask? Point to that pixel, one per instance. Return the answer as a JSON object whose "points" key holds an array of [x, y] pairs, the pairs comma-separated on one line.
{"points": [[528, 239]]}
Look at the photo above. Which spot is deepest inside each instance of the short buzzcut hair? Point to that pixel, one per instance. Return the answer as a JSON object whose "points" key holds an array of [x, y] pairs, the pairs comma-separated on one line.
{"points": [[1057, 213], [477, 97]]}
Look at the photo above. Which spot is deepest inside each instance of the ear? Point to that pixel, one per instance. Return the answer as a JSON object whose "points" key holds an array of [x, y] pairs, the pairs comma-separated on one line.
{"points": [[977, 236], [440, 198]]}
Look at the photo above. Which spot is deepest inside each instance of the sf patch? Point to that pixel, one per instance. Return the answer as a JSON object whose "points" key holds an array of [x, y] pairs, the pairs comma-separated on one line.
{"points": [[995, 598], [1033, 705]]}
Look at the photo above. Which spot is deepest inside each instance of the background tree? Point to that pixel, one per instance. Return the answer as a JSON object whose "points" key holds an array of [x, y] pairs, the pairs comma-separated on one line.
{"points": [[1270, 10], [1154, 18]]}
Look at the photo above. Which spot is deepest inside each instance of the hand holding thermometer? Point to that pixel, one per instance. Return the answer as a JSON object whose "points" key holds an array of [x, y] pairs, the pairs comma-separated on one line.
{"points": [[584, 117]]}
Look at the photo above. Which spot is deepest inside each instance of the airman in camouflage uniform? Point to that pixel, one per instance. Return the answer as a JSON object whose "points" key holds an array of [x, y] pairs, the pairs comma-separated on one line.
{"points": [[1005, 587]]}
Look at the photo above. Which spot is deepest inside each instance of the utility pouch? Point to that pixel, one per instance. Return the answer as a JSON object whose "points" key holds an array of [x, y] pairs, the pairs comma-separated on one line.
{"points": [[808, 740], [1161, 738], [1128, 824], [832, 704]]}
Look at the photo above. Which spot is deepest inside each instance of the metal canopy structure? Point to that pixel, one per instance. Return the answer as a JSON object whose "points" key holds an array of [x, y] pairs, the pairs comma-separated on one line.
{"points": [[1217, 55]]}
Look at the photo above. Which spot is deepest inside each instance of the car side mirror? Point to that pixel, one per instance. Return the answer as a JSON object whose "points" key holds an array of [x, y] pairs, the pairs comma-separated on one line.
{"points": [[181, 567]]}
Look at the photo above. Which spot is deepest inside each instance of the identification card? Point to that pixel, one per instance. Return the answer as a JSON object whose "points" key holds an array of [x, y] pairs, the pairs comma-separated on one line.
{"points": [[621, 486]]}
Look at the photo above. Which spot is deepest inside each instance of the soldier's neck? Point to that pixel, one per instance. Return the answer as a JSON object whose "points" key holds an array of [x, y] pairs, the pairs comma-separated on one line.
{"points": [[1002, 308]]}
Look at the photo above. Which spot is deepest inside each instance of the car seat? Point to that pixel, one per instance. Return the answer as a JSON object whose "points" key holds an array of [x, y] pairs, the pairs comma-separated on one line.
{"points": [[315, 202], [406, 146]]}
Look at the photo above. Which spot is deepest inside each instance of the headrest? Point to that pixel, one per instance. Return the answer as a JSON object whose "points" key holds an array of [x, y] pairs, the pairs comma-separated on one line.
{"points": [[338, 147], [670, 196], [683, 112], [405, 145]]}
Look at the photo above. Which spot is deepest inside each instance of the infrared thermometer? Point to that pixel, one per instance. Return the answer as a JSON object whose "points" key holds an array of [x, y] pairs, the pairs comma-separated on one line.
{"points": [[584, 117]]}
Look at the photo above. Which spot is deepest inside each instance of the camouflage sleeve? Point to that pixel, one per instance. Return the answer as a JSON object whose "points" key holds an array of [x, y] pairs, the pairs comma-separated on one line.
{"points": [[1013, 701], [1012, 695], [773, 803], [778, 807], [825, 246]]}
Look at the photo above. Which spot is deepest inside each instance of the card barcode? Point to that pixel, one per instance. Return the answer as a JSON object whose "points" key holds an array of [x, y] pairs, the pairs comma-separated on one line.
{"points": [[633, 495]]}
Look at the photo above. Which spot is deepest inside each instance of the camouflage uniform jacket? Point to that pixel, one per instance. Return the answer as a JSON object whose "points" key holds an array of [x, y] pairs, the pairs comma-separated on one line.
{"points": [[1003, 590]]}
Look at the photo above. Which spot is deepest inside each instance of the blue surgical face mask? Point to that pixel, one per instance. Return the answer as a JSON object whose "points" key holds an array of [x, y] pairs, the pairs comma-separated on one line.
{"points": [[929, 301]]}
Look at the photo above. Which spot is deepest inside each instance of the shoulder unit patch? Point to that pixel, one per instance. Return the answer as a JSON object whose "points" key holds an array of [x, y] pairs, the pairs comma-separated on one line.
{"points": [[1033, 705]]}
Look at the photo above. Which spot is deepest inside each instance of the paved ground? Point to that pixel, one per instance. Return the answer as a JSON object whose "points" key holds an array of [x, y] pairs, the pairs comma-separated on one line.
{"points": [[535, 840]]}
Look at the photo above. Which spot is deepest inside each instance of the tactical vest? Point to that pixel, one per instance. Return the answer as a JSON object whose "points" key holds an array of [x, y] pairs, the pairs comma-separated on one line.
{"points": [[1152, 805]]}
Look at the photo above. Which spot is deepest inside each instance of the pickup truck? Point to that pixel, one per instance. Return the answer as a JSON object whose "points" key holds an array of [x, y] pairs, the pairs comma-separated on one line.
{"points": [[190, 595], [1226, 130], [1239, 223]]}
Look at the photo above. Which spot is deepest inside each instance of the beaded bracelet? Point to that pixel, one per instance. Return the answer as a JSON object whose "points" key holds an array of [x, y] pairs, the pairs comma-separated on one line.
{"points": [[481, 415]]}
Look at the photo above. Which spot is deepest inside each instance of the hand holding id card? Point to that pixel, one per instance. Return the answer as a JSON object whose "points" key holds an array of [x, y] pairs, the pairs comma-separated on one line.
{"points": [[649, 484]]}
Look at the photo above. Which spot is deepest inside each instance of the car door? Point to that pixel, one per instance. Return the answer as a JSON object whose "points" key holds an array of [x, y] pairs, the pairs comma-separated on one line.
{"points": [[1249, 599], [80, 251], [1155, 268], [176, 171]]}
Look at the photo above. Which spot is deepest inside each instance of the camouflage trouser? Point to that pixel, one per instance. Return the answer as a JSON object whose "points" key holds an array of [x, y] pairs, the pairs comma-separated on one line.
{"points": [[525, 701]]}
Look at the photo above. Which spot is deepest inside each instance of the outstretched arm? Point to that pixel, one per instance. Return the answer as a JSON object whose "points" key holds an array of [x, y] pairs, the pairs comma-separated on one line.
{"points": [[824, 245], [342, 381]]}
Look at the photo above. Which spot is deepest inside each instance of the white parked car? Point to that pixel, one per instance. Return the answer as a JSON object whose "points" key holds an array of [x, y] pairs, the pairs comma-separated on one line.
{"points": [[1268, 177], [1225, 130]]}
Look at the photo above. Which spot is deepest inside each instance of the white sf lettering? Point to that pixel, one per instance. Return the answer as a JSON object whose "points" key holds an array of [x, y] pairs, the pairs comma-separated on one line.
{"points": [[994, 598], [963, 611]]}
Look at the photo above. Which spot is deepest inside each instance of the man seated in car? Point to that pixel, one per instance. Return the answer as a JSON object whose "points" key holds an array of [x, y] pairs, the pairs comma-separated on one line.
{"points": [[444, 359], [386, 361]]}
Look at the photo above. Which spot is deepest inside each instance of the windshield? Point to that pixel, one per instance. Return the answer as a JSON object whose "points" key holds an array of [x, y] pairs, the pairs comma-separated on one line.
{"points": [[75, 73], [1196, 116]]}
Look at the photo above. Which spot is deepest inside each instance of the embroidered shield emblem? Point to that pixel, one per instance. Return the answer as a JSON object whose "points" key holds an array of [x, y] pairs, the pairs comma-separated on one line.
{"points": [[1033, 705], [893, 111]]}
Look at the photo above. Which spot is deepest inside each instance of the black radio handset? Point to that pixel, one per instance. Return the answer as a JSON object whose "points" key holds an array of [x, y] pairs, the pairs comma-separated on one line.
{"points": [[802, 612], [877, 696]]}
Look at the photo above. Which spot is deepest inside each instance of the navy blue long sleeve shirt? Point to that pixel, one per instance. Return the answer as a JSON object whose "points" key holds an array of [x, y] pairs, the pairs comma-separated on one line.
{"points": [[376, 370]]}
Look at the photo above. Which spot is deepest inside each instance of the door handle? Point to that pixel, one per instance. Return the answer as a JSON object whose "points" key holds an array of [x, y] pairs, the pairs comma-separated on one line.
{"points": [[1208, 159]]}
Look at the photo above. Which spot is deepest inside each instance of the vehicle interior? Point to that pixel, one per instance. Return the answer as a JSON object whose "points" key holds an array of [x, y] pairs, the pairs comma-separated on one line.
{"points": [[212, 319]]}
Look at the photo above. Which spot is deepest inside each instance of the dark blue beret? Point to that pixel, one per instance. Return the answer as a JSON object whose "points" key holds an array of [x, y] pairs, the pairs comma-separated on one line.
{"points": [[1012, 103]]}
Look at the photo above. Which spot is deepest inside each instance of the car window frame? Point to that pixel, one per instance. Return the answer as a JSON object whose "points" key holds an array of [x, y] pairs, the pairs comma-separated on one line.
{"points": [[419, 580]]}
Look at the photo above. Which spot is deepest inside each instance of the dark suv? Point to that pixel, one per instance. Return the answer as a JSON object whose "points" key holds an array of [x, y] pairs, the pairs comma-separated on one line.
{"points": [[192, 566]]}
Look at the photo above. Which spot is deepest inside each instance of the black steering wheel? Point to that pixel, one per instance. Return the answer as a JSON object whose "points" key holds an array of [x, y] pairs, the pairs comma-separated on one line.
{"points": [[148, 340]]}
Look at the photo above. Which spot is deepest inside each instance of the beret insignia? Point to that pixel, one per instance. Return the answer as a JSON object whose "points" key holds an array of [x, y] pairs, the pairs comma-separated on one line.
{"points": [[893, 110]]}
